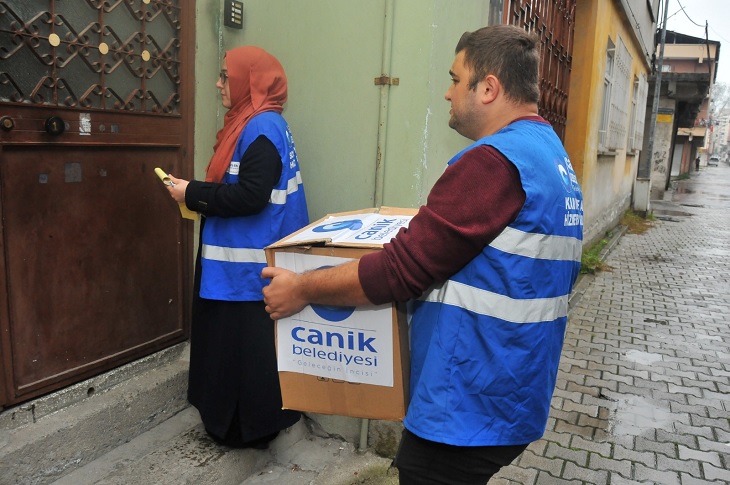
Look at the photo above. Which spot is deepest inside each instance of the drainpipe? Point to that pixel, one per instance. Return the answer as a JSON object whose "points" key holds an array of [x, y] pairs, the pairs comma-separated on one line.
{"points": [[384, 81], [642, 194]]}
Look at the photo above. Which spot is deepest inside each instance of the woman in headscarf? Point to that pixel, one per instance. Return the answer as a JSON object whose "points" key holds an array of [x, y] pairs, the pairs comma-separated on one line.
{"points": [[252, 196]]}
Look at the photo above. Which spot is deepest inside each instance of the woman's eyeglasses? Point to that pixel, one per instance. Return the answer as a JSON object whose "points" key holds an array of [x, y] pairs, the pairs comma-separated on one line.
{"points": [[223, 76]]}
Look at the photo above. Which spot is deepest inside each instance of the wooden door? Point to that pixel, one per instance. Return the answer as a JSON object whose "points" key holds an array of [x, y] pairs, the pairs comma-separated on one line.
{"points": [[95, 257]]}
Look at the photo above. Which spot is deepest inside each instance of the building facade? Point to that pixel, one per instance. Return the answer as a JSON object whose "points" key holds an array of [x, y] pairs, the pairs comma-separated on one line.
{"points": [[607, 104]]}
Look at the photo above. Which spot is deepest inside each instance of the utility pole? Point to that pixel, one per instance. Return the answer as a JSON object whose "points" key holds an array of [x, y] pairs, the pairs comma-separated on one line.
{"points": [[642, 189]]}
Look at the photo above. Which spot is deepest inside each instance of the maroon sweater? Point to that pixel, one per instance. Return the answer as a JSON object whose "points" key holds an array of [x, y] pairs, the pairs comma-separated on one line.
{"points": [[470, 204]]}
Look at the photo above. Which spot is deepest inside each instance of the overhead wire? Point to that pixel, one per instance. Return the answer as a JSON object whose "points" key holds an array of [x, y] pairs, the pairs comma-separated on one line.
{"points": [[685, 14]]}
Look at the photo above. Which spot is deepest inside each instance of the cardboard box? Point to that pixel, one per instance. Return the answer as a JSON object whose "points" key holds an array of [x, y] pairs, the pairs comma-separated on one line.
{"points": [[346, 361]]}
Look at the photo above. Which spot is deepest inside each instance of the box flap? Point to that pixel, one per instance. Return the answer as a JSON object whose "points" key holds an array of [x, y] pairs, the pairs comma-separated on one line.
{"points": [[365, 228]]}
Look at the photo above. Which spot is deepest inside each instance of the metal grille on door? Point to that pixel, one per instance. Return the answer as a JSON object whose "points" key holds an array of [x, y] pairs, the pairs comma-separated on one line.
{"points": [[121, 55], [553, 21]]}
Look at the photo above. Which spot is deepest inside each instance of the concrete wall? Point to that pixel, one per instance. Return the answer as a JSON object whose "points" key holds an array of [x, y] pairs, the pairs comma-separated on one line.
{"points": [[359, 144], [606, 179]]}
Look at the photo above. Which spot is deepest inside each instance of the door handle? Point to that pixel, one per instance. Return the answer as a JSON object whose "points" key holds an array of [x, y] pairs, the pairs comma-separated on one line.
{"points": [[7, 123]]}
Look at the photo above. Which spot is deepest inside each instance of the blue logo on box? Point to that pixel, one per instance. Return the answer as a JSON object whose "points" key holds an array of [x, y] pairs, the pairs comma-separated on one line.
{"points": [[353, 225], [333, 313]]}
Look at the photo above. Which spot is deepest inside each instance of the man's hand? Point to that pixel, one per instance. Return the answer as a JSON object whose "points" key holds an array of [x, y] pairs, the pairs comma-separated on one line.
{"points": [[282, 296]]}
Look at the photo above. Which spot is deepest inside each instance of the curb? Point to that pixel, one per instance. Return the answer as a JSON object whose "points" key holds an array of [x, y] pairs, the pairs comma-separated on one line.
{"points": [[585, 279]]}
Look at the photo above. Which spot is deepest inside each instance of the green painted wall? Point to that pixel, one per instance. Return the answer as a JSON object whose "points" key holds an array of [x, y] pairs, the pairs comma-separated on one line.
{"points": [[332, 50]]}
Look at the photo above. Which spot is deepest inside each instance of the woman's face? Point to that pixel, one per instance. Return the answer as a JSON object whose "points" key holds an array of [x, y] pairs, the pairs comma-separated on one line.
{"points": [[223, 84]]}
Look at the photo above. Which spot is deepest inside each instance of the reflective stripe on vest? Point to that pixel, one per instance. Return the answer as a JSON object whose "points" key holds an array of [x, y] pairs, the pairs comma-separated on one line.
{"points": [[538, 246], [233, 255], [491, 304], [278, 196]]}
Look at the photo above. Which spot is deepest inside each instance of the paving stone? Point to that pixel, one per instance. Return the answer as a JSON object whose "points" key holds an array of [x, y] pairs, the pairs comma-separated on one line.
{"points": [[721, 423], [668, 396], [709, 457], [689, 409], [589, 410], [719, 413], [616, 479], [705, 431], [714, 473], [602, 383], [647, 458], [622, 467], [642, 473], [716, 403], [530, 460], [704, 382], [670, 436], [602, 448], [587, 475], [689, 466], [690, 480], [582, 390], [643, 444], [562, 439], [579, 457], [565, 427], [564, 416]]}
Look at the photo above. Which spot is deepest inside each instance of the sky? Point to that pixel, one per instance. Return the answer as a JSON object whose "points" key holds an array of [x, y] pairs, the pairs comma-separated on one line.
{"points": [[691, 21]]}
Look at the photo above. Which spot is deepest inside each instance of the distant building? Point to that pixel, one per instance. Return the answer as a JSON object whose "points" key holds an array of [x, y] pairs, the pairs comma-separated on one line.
{"points": [[684, 121]]}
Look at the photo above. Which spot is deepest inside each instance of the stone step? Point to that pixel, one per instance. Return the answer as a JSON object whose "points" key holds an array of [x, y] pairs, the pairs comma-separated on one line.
{"points": [[178, 451], [45, 439], [134, 425]]}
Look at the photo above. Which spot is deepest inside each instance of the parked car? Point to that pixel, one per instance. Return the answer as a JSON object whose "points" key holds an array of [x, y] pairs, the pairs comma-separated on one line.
{"points": [[713, 161]]}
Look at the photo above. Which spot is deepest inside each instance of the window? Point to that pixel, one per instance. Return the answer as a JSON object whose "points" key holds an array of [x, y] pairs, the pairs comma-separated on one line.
{"points": [[607, 83], [638, 110], [616, 90]]}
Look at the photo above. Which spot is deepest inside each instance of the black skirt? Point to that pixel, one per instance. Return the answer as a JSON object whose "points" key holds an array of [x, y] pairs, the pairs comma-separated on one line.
{"points": [[233, 379]]}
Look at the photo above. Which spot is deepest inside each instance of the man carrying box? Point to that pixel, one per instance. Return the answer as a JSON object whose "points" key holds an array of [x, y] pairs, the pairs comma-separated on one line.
{"points": [[489, 261]]}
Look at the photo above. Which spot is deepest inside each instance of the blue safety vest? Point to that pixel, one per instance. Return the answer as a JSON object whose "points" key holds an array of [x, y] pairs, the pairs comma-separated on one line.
{"points": [[485, 345], [232, 247]]}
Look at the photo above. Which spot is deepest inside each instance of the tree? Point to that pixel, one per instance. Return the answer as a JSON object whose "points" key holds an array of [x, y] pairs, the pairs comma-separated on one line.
{"points": [[719, 100], [719, 111]]}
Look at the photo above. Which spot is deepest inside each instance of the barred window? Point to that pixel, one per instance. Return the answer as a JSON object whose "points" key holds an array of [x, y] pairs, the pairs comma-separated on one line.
{"points": [[616, 97], [607, 84], [638, 111]]}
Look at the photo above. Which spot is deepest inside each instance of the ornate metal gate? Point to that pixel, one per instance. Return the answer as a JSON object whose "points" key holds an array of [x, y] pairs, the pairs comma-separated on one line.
{"points": [[553, 21], [121, 55], [94, 94]]}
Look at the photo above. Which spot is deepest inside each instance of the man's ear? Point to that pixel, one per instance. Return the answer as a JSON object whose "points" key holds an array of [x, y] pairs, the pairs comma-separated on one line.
{"points": [[489, 89]]}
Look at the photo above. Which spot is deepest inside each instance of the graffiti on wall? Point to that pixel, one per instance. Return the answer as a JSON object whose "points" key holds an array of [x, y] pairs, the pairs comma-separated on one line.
{"points": [[659, 164]]}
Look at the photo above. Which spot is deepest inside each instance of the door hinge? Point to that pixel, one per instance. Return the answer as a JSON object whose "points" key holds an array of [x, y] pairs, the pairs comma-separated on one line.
{"points": [[383, 80]]}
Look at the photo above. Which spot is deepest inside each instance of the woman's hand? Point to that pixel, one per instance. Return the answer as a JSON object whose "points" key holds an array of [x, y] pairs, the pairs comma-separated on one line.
{"points": [[177, 189]]}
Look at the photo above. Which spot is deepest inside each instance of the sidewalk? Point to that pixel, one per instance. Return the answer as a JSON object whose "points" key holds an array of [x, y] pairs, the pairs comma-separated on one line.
{"points": [[643, 393]]}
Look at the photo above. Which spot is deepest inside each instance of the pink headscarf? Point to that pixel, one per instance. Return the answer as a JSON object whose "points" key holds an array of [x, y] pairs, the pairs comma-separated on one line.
{"points": [[257, 83]]}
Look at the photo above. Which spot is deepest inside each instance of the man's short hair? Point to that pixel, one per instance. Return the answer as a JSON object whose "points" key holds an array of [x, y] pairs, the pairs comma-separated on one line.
{"points": [[508, 52]]}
